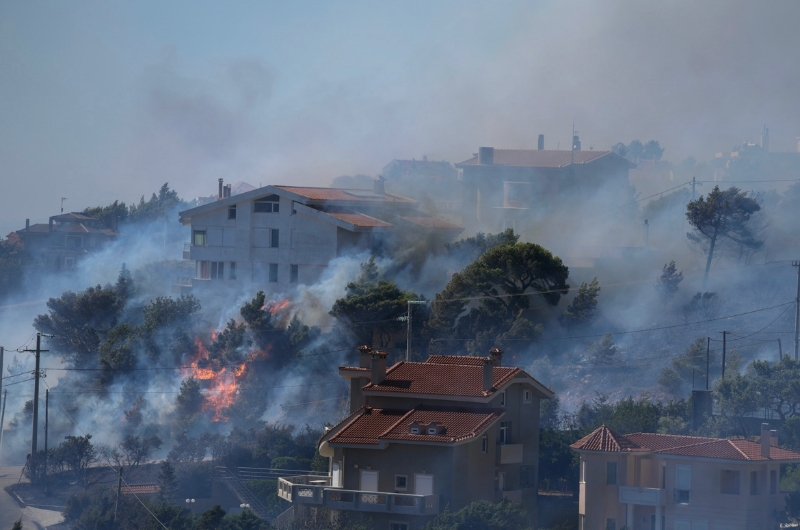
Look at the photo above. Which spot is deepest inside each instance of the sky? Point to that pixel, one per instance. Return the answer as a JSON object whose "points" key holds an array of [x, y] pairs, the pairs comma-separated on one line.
{"points": [[104, 101]]}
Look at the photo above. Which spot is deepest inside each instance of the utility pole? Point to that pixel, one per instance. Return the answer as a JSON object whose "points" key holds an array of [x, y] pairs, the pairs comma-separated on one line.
{"points": [[38, 351], [694, 183], [2, 419], [408, 326], [797, 310], [708, 357], [724, 336], [780, 351], [2, 351], [46, 416], [119, 490]]}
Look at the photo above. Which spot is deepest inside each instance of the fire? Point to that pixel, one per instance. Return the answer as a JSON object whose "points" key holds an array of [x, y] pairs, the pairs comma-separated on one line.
{"points": [[280, 305]]}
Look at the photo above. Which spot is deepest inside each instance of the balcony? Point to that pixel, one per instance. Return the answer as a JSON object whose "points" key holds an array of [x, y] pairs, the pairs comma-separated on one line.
{"points": [[316, 491], [642, 496], [187, 250], [511, 454]]}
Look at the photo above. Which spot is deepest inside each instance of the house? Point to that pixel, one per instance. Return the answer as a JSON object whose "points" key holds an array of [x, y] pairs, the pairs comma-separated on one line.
{"points": [[423, 437], [513, 188], [278, 236], [435, 183], [64, 240], [646, 481]]}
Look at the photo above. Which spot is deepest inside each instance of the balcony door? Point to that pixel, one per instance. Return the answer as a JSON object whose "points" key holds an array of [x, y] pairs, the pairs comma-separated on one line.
{"points": [[369, 480], [423, 484], [336, 475]]}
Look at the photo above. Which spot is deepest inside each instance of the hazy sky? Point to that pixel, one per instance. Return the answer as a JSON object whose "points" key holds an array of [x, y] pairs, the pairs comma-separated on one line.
{"points": [[108, 100]]}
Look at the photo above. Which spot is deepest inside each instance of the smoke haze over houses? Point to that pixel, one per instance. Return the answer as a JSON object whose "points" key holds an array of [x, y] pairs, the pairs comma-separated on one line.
{"points": [[100, 101]]}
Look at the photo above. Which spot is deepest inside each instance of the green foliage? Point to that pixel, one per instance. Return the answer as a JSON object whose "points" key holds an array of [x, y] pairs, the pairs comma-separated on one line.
{"points": [[79, 454], [371, 306], [166, 325], [291, 462], [134, 450], [667, 284], [467, 250], [624, 416], [118, 352], [583, 307], [603, 351], [211, 519], [17, 524], [111, 215], [676, 379], [267, 492], [636, 151], [12, 261], [189, 400], [702, 306], [482, 515], [558, 463], [245, 520], [723, 217], [501, 278], [167, 482]]}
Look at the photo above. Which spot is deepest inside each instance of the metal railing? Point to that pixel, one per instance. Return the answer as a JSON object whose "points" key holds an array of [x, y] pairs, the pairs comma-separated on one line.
{"points": [[184, 280], [274, 473], [241, 491]]}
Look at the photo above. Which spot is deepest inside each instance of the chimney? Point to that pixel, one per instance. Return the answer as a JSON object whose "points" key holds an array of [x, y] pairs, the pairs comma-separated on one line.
{"points": [[27, 225], [765, 440], [364, 356], [496, 355], [576, 143], [50, 225], [226, 190], [486, 156], [488, 372], [541, 142], [220, 189], [378, 186], [765, 139], [773, 438], [378, 366]]}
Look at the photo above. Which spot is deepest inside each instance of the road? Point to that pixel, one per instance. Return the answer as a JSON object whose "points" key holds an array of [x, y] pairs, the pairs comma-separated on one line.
{"points": [[9, 508]]}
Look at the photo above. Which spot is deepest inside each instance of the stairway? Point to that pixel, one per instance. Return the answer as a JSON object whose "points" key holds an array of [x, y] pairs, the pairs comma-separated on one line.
{"points": [[241, 491]]}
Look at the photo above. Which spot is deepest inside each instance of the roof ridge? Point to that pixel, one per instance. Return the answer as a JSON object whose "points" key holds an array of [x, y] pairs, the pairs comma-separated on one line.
{"points": [[743, 453], [393, 425]]}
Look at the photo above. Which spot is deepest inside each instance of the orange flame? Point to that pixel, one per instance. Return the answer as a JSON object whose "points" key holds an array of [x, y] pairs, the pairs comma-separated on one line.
{"points": [[280, 305]]}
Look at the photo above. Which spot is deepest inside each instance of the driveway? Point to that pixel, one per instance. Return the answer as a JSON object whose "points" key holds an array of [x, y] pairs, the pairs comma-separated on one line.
{"points": [[35, 516]]}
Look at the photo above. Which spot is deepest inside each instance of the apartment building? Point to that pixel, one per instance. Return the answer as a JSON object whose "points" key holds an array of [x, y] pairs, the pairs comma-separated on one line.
{"points": [[425, 436], [64, 240], [646, 481], [278, 236]]}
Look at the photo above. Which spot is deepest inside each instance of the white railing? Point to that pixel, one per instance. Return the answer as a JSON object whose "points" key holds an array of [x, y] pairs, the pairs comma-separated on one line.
{"points": [[642, 496]]}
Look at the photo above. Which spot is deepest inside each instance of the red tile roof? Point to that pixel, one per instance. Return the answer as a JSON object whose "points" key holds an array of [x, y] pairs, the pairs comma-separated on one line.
{"points": [[140, 489], [430, 222], [78, 228], [543, 158], [441, 379], [338, 194], [359, 219], [467, 360], [370, 426], [605, 440]]}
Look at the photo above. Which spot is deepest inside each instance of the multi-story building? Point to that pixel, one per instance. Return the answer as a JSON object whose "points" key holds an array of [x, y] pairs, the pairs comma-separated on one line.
{"points": [[277, 236], [517, 188], [64, 240], [425, 436], [646, 481]]}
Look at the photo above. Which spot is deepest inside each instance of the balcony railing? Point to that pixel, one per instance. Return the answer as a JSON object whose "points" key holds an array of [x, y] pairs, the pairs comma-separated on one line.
{"points": [[308, 490], [642, 496]]}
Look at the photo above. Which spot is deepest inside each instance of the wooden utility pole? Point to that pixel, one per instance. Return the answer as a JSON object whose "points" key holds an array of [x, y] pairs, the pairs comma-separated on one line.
{"points": [[119, 491], [2, 419], [780, 351], [46, 416], [694, 183], [797, 310], [708, 357], [724, 334], [37, 373]]}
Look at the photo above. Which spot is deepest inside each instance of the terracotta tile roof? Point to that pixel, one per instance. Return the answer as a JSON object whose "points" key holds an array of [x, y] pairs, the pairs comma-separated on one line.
{"points": [[354, 368], [467, 360], [347, 195], [371, 426], [543, 158], [140, 489], [359, 219], [430, 222], [441, 379], [606, 440], [78, 228]]}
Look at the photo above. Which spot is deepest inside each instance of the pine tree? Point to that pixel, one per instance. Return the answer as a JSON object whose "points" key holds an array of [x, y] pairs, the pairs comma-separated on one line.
{"points": [[667, 284], [583, 307], [168, 482]]}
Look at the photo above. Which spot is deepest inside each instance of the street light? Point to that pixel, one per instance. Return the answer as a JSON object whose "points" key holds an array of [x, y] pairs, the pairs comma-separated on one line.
{"points": [[244, 505], [189, 501]]}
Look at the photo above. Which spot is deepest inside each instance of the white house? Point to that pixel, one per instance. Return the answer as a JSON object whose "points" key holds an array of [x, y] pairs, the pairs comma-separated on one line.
{"points": [[276, 236]]}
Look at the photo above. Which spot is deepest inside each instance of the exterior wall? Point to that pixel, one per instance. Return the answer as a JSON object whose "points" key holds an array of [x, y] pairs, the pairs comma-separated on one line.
{"points": [[742, 511], [303, 240]]}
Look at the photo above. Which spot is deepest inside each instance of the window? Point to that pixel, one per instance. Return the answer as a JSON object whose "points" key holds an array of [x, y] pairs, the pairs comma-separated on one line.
{"points": [[398, 526], [773, 482], [73, 241], [611, 473], [401, 482], [729, 482], [683, 484], [754, 489], [274, 238], [273, 273], [611, 524], [232, 212], [502, 399], [431, 430], [505, 433], [485, 444], [199, 238], [217, 270], [414, 430], [294, 272], [203, 272], [233, 270], [69, 263], [527, 396], [268, 204]]}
